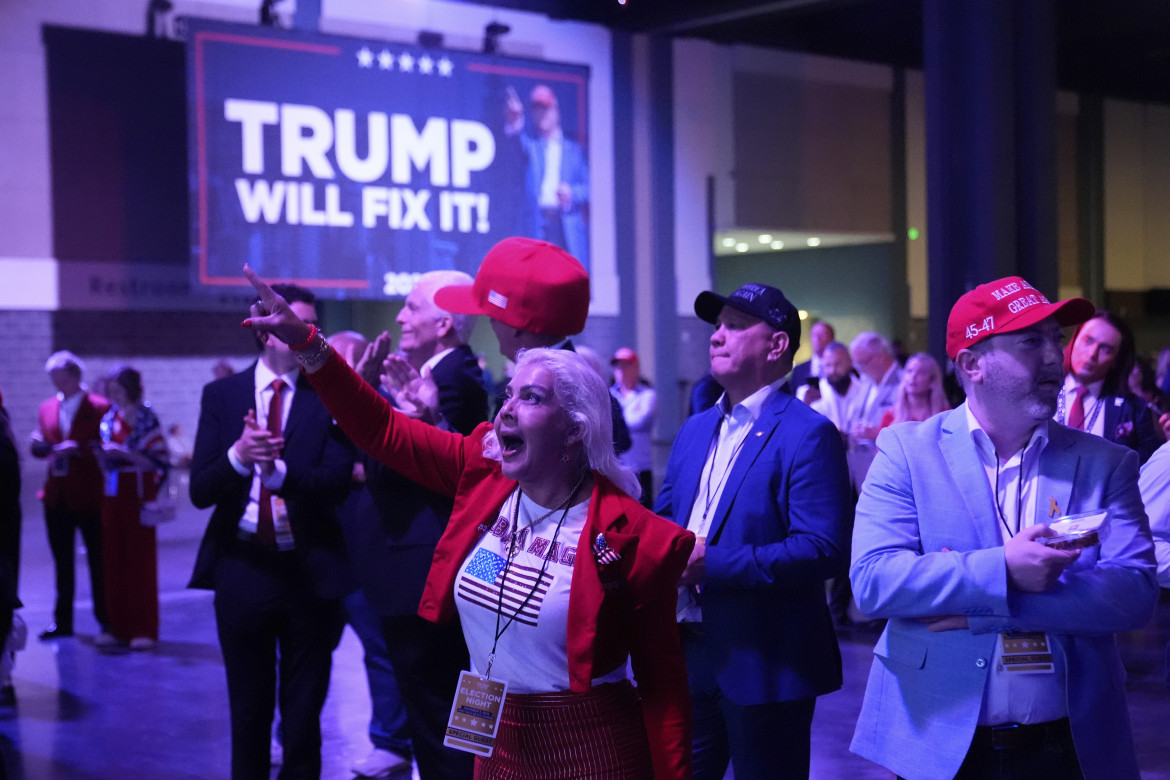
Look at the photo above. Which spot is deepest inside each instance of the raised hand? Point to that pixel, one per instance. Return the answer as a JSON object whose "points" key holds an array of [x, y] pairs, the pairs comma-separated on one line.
{"points": [[513, 107], [369, 365], [271, 314], [415, 395]]}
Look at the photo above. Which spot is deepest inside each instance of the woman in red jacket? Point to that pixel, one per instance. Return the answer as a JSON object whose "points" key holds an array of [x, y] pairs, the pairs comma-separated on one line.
{"points": [[561, 579]]}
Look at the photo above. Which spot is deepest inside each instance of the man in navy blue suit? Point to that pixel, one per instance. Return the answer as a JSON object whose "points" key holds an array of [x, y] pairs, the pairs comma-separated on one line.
{"points": [[270, 460], [761, 480]]}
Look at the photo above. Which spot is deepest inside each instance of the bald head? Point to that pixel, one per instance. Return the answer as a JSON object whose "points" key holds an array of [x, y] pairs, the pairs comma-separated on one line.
{"points": [[350, 344]]}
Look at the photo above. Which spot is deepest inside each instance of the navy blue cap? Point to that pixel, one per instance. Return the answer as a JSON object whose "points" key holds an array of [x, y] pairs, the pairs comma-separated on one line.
{"points": [[759, 300]]}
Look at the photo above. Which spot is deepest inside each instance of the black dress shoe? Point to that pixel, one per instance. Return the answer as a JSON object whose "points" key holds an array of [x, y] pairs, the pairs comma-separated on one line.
{"points": [[54, 631]]}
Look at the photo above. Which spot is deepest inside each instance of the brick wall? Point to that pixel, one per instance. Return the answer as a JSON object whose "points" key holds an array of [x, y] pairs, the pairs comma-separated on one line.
{"points": [[163, 346]]}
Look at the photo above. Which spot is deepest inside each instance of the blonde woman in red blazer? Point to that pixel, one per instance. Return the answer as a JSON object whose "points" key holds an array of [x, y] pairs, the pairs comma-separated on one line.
{"points": [[551, 439]]}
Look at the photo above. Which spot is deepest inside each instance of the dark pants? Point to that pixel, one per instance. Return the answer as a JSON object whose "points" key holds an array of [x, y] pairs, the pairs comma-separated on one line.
{"points": [[427, 659], [552, 226], [769, 741], [62, 526], [1051, 757], [646, 480], [265, 611], [389, 729]]}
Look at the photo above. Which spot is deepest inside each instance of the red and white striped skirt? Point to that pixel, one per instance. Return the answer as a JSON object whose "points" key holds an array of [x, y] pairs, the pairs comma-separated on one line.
{"points": [[599, 735]]}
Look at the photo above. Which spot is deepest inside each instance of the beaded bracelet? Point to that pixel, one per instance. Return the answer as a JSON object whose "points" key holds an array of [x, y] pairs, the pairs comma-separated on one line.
{"points": [[314, 355], [300, 345]]}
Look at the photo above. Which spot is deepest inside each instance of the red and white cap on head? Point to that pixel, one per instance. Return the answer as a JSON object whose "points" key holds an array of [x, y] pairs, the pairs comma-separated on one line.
{"points": [[526, 284], [624, 355], [1003, 306]]}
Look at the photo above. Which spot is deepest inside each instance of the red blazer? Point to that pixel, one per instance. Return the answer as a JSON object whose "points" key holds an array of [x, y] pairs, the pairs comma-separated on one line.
{"points": [[618, 611], [80, 488]]}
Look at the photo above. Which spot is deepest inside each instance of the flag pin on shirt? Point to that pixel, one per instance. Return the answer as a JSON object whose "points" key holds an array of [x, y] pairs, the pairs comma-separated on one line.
{"points": [[605, 554]]}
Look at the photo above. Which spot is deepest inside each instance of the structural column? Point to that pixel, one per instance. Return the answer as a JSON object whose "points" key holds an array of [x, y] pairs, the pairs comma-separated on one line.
{"points": [[990, 148]]}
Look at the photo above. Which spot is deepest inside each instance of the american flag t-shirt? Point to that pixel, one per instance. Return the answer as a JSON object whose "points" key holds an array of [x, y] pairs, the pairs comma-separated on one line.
{"points": [[531, 649], [523, 587]]}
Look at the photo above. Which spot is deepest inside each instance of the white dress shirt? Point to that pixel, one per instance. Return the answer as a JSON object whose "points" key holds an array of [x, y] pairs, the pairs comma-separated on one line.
{"points": [[1013, 697]]}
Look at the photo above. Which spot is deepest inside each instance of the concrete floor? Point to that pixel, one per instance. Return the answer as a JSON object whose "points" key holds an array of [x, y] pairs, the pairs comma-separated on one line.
{"points": [[82, 714]]}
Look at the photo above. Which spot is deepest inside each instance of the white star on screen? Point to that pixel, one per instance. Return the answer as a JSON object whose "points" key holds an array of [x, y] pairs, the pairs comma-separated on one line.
{"points": [[425, 64], [385, 60], [365, 57], [406, 62], [446, 67]]}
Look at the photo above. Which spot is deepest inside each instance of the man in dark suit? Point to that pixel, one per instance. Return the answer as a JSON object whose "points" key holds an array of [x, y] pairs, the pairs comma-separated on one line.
{"points": [[269, 459], [392, 535], [761, 480], [1096, 397], [68, 428]]}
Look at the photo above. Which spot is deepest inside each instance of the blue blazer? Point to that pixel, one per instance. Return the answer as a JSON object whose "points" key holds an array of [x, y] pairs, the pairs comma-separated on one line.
{"points": [[781, 528], [1129, 422], [927, 490], [574, 172]]}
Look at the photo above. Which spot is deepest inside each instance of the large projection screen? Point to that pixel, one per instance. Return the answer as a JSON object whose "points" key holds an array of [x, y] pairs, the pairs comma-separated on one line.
{"points": [[354, 165]]}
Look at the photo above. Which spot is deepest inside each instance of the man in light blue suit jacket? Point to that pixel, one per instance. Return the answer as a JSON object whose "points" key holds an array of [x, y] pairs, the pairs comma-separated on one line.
{"points": [[948, 545], [762, 481]]}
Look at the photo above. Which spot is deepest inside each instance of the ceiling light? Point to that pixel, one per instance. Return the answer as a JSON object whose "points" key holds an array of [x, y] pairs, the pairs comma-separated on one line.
{"points": [[766, 238], [777, 244], [741, 247], [814, 241], [802, 314], [729, 242]]}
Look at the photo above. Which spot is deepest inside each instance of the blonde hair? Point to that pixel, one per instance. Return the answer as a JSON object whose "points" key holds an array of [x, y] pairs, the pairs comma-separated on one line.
{"points": [[937, 401], [584, 397]]}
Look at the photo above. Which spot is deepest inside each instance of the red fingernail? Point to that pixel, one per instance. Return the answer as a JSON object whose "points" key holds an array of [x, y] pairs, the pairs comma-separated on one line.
{"points": [[246, 323]]}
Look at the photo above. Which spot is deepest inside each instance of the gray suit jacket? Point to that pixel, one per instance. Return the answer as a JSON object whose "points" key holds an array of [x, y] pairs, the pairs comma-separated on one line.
{"points": [[927, 490]]}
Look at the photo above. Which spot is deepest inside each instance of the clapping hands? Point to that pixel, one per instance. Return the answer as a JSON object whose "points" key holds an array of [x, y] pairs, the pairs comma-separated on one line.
{"points": [[257, 446], [370, 365], [416, 395]]}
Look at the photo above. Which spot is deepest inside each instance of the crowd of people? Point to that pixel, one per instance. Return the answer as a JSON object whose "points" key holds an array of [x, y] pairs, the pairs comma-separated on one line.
{"points": [[529, 606]]}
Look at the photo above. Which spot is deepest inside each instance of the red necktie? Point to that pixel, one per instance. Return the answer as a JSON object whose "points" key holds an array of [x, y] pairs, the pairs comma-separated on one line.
{"points": [[1076, 413], [265, 528]]}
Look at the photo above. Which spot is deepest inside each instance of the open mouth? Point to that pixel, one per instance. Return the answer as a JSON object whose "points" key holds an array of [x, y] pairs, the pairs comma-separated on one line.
{"points": [[510, 444]]}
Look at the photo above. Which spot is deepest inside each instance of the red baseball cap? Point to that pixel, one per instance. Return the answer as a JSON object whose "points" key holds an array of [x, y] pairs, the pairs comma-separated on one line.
{"points": [[543, 95], [1003, 306], [624, 354], [526, 284]]}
